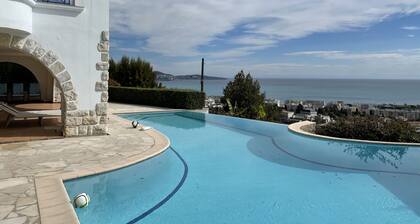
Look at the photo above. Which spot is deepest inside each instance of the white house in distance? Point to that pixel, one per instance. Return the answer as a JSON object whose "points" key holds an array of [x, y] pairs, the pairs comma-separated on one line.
{"points": [[65, 45]]}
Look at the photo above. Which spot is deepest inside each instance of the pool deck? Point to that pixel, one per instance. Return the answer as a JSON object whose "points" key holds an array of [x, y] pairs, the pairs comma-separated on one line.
{"points": [[32, 173]]}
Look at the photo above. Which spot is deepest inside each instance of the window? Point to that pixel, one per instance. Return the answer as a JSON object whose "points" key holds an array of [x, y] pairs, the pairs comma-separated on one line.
{"points": [[18, 89], [34, 89], [3, 89]]}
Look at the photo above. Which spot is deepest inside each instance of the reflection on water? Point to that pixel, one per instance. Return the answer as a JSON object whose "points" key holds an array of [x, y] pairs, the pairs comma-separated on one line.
{"points": [[194, 115], [387, 154], [121, 195], [167, 119]]}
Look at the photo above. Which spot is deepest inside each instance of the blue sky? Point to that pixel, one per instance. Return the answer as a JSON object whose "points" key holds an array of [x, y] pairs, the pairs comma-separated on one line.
{"points": [[275, 39]]}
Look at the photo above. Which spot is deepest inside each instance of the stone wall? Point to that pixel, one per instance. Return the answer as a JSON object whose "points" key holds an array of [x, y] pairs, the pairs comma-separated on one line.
{"points": [[94, 122], [75, 122], [56, 92]]}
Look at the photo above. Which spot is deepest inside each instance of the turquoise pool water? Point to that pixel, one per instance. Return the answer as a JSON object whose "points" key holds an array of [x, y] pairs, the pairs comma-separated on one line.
{"points": [[230, 170]]}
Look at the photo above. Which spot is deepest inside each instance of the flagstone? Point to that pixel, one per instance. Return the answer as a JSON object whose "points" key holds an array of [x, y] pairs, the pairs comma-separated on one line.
{"points": [[7, 199], [18, 220], [4, 174], [58, 164], [21, 163], [25, 201], [33, 220], [11, 182], [17, 190], [31, 211], [5, 210], [12, 215]]}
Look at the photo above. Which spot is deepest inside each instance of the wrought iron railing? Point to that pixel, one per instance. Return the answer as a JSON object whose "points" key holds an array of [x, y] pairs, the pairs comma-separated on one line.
{"points": [[64, 2]]}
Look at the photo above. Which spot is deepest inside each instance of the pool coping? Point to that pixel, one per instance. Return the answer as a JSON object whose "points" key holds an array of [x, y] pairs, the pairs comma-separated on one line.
{"points": [[54, 203], [298, 128]]}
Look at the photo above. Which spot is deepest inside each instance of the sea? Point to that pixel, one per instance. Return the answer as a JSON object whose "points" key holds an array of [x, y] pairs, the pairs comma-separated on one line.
{"points": [[366, 91]]}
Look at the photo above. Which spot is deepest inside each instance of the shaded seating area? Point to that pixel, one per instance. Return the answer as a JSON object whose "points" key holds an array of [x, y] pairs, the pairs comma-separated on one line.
{"points": [[14, 114], [30, 121], [29, 105]]}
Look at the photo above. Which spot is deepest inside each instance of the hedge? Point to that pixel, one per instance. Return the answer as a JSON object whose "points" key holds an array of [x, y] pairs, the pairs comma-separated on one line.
{"points": [[171, 98]]}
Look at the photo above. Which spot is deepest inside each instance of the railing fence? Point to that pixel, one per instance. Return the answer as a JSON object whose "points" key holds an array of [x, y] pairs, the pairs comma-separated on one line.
{"points": [[64, 2]]}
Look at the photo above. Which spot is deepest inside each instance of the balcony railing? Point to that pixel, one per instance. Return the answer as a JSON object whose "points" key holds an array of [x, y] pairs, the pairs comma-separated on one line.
{"points": [[63, 2]]}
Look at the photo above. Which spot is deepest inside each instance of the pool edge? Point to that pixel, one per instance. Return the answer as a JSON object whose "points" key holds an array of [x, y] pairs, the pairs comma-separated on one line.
{"points": [[54, 203]]}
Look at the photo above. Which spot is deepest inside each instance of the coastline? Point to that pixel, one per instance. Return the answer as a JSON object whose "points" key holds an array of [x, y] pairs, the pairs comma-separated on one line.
{"points": [[366, 91]]}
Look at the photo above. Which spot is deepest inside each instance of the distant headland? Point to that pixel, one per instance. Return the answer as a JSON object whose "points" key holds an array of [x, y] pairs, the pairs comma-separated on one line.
{"points": [[160, 76]]}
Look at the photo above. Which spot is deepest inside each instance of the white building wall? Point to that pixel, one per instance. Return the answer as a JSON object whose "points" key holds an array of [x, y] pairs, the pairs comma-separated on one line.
{"points": [[74, 37], [16, 16], [72, 42]]}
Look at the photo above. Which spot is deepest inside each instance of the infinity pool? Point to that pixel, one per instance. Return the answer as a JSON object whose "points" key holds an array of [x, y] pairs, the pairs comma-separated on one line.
{"points": [[229, 170]]}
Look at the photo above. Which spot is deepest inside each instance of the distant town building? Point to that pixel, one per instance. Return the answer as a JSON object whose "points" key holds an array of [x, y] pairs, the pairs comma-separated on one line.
{"points": [[213, 102], [274, 101], [286, 115], [306, 114], [314, 104]]}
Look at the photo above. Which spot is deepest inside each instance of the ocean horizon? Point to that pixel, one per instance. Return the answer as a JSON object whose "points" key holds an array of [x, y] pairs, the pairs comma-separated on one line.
{"points": [[372, 91]]}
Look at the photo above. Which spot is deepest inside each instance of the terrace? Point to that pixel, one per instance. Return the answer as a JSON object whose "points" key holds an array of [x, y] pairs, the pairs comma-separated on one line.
{"points": [[33, 171], [30, 130], [40, 73]]}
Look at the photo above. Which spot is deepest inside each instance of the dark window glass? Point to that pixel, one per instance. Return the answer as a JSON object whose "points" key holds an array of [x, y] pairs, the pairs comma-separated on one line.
{"points": [[18, 89], [3, 89], [34, 89]]}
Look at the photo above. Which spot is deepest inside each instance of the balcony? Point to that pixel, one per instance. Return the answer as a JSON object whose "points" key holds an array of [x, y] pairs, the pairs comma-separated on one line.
{"points": [[71, 6], [62, 2], [16, 17]]}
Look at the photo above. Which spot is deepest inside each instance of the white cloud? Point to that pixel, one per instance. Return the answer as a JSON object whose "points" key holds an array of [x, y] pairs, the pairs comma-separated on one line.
{"points": [[410, 28], [236, 52], [184, 27], [400, 63], [181, 27], [411, 35], [367, 69], [253, 40]]}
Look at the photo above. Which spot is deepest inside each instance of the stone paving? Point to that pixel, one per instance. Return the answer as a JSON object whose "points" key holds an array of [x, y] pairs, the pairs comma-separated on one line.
{"points": [[21, 164]]}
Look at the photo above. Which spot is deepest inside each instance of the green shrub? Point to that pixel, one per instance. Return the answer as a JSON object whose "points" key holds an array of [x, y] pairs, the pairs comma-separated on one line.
{"points": [[170, 98], [370, 128]]}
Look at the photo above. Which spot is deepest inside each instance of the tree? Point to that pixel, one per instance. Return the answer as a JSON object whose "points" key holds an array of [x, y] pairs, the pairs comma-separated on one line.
{"points": [[273, 112], [299, 108], [243, 95], [133, 72], [332, 111]]}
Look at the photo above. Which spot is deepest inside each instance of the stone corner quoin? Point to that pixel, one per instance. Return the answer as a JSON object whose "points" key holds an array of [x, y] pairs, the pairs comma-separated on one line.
{"points": [[93, 122], [76, 122]]}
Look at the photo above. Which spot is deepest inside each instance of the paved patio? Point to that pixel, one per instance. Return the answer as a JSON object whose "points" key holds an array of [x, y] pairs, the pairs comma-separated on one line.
{"points": [[31, 173], [30, 130]]}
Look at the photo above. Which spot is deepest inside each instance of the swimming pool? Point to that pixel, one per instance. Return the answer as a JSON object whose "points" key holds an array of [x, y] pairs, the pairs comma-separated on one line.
{"points": [[230, 170]]}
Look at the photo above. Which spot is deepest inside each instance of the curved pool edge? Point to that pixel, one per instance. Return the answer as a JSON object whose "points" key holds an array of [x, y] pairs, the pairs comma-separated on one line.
{"points": [[298, 128], [54, 204]]}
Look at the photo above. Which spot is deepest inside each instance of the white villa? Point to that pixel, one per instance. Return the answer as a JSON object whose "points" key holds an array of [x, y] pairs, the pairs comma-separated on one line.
{"points": [[64, 46]]}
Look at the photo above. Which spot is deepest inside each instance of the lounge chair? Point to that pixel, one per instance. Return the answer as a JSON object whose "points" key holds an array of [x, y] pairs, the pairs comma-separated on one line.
{"points": [[16, 114]]}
